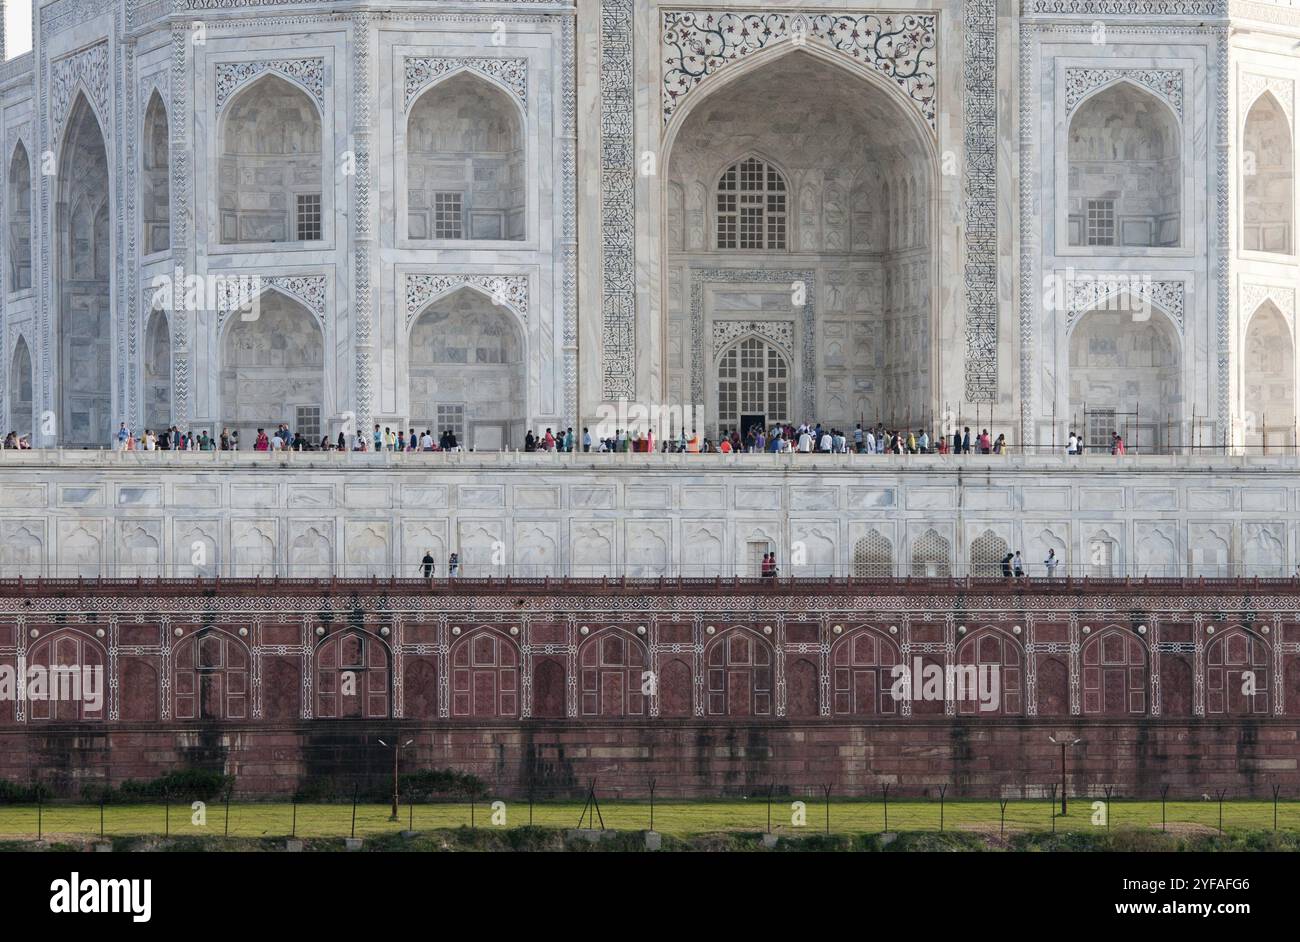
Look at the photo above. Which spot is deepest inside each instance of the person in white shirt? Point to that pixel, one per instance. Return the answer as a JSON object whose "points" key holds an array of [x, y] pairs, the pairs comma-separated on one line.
{"points": [[426, 441], [1072, 444], [1050, 563], [825, 444], [805, 441], [871, 443]]}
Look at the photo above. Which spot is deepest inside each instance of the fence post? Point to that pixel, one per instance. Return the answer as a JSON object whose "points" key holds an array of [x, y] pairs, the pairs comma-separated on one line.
{"points": [[1164, 793], [1276, 788]]}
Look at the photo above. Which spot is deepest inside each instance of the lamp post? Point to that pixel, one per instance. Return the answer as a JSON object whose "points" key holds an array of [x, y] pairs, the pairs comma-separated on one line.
{"points": [[396, 750], [1062, 743]]}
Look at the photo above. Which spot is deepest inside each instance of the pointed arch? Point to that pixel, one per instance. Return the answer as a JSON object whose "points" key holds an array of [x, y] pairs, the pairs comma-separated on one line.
{"points": [[20, 219], [273, 369], [1268, 178], [751, 206], [70, 661], [271, 184], [1268, 379], [754, 379], [155, 180], [816, 120], [211, 676], [21, 398], [761, 59], [83, 254], [467, 370], [611, 666], [1122, 131], [991, 666], [485, 674], [1238, 672], [466, 161], [157, 371], [1126, 371], [986, 554], [932, 555], [873, 556], [739, 674], [352, 675], [1114, 681], [862, 669]]}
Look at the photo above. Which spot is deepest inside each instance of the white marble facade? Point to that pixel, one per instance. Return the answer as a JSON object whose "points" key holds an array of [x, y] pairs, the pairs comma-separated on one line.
{"points": [[504, 214], [79, 514]]}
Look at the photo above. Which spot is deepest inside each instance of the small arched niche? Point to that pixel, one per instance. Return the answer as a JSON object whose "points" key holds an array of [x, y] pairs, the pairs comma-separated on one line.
{"points": [[155, 192], [20, 220], [1267, 187]]}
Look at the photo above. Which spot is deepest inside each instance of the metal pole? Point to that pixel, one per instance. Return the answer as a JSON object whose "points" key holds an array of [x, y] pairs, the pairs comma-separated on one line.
{"points": [[1063, 811], [396, 746]]}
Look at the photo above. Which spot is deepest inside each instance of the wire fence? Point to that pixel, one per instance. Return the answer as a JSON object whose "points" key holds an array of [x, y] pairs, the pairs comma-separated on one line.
{"points": [[771, 808]]}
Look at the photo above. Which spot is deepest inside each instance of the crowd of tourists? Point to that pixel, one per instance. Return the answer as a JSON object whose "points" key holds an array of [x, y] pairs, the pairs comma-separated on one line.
{"points": [[806, 438], [802, 439]]}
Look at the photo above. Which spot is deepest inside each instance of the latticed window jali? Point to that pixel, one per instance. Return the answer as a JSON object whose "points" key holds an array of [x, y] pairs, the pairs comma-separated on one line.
{"points": [[751, 206], [986, 554], [753, 379], [873, 557], [931, 556]]}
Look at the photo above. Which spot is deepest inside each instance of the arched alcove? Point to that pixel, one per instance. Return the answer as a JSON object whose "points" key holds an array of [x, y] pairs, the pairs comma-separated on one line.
{"points": [[1125, 376], [814, 176], [468, 372], [1268, 381], [82, 261], [157, 372], [273, 369], [1267, 186], [753, 381], [466, 172], [271, 183], [1124, 170], [155, 192], [20, 220], [20, 389]]}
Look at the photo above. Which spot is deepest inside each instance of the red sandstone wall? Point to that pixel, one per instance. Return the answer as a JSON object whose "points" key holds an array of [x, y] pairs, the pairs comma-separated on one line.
{"points": [[1012, 759], [544, 687]]}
